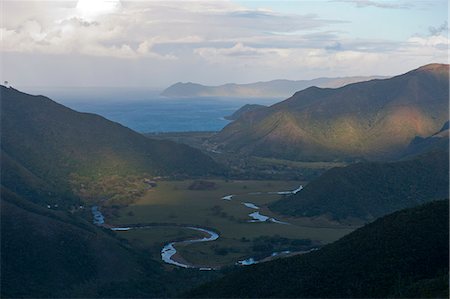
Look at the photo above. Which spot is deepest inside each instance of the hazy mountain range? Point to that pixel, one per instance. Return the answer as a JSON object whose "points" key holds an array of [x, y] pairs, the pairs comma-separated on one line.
{"points": [[269, 89], [375, 119]]}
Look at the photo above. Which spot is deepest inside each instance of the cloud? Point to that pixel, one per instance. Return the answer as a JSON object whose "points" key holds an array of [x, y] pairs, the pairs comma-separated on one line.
{"points": [[443, 28], [289, 57], [238, 50], [336, 46], [210, 42], [379, 4], [346, 58], [139, 29], [437, 41]]}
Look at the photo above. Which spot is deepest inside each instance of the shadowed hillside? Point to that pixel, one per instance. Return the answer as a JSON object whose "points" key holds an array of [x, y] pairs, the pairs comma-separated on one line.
{"points": [[376, 119], [46, 145], [371, 190], [437, 141], [54, 254], [53, 251], [404, 254]]}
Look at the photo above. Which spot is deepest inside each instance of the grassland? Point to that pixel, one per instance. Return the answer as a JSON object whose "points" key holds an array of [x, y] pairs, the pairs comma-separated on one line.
{"points": [[247, 167], [301, 164], [171, 202]]}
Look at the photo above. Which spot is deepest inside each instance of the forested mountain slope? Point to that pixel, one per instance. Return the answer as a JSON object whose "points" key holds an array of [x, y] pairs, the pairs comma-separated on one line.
{"points": [[45, 145], [371, 189], [404, 254], [375, 119]]}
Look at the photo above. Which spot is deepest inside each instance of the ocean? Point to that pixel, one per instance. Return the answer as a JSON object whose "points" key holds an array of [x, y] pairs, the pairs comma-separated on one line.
{"points": [[143, 110]]}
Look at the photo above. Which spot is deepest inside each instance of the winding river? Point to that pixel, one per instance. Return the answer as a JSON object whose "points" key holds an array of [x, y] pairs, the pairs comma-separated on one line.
{"points": [[169, 251], [295, 191]]}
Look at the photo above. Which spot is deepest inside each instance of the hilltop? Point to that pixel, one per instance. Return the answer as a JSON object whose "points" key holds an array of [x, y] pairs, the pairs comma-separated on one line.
{"points": [[244, 109]]}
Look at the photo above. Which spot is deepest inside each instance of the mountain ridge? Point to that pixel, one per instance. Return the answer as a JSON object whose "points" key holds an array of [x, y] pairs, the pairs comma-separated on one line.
{"points": [[244, 109], [262, 89], [435, 142], [49, 144], [369, 190], [374, 119]]}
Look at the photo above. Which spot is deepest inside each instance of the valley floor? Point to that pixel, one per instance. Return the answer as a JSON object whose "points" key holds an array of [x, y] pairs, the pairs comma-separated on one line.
{"points": [[236, 210], [249, 167]]}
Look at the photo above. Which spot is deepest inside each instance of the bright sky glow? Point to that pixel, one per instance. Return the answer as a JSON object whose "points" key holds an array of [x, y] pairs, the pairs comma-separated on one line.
{"points": [[157, 43], [94, 8]]}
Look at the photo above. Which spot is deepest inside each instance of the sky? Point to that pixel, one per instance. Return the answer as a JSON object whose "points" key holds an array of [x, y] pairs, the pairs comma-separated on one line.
{"points": [[157, 43]]}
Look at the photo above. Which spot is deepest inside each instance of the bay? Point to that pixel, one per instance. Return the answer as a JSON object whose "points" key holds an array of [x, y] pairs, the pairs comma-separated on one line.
{"points": [[145, 111]]}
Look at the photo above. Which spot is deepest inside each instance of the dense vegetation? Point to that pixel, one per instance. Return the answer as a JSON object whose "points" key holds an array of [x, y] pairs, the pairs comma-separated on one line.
{"points": [[53, 159], [48, 149], [265, 246], [202, 185], [45, 253], [366, 120], [404, 254], [371, 190], [55, 254], [242, 166]]}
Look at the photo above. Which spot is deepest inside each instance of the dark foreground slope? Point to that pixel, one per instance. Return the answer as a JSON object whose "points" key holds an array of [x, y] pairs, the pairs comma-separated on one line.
{"points": [[44, 145], [376, 119], [404, 254], [54, 251], [370, 190], [53, 254]]}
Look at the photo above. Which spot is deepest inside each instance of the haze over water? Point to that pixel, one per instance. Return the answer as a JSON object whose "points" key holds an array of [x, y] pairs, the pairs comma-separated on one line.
{"points": [[144, 110]]}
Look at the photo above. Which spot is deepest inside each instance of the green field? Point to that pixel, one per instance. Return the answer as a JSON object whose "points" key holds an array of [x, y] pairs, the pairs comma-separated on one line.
{"points": [[172, 202]]}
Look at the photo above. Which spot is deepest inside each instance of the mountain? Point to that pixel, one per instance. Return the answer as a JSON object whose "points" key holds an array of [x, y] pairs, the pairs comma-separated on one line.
{"points": [[370, 190], [244, 109], [48, 149], [376, 119], [48, 248], [437, 141], [269, 89], [404, 254], [47, 253]]}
